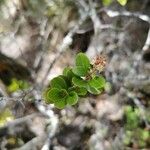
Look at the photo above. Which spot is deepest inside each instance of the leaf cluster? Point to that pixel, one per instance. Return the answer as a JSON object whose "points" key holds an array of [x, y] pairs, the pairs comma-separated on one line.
{"points": [[75, 82], [17, 85], [134, 133]]}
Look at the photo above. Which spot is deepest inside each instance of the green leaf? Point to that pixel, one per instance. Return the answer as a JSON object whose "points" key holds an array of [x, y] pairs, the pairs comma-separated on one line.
{"points": [[66, 79], [56, 94], [106, 2], [60, 104], [58, 97], [97, 82], [72, 99], [80, 71], [82, 65], [59, 83], [66, 70], [81, 91], [17, 85], [145, 134], [122, 2], [68, 73], [46, 97], [79, 82], [82, 60], [14, 86], [93, 90]]}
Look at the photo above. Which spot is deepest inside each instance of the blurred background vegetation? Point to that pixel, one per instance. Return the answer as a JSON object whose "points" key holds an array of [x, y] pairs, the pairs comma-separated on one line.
{"points": [[38, 38]]}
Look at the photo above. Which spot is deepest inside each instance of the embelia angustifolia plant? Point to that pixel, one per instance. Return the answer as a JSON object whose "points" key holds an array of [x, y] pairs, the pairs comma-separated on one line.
{"points": [[76, 82]]}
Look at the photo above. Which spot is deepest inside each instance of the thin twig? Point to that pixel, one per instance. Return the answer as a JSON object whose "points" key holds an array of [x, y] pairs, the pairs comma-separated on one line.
{"points": [[147, 42], [112, 13], [21, 120], [95, 19], [143, 17], [65, 44]]}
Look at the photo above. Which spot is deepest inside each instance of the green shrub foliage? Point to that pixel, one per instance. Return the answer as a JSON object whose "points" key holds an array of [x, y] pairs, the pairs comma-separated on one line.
{"points": [[75, 82], [135, 133]]}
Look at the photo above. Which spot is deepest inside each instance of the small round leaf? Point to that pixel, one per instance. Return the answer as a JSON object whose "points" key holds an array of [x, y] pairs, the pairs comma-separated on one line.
{"points": [[48, 100], [56, 94], [79, 82], [69, 75], [59, 83], [81, 91], [59, 97], [60, 104], [66, 70], [72, 99], [97, 82], [80, 71], [93, 90], [82, 60]]}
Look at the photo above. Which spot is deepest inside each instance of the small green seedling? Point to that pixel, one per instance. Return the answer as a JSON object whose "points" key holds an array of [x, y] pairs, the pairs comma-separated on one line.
{"points": [[17, 85], [135, 134], [75, 82]]}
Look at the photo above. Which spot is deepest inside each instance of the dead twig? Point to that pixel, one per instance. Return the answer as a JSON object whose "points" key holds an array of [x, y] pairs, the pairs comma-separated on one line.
{"points": [[147, 42], [64, 45], [21, 120], [143, 17], [112, 13]]}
